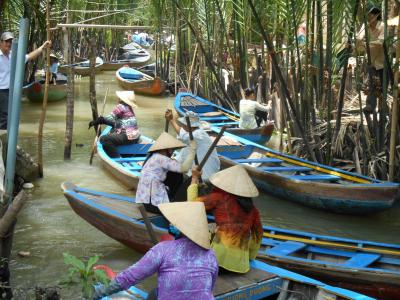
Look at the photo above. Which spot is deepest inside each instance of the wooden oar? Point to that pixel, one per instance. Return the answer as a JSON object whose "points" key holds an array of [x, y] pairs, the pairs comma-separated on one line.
{"points": [[147, 222], [212, 147], [166, 125], [98, 129]]}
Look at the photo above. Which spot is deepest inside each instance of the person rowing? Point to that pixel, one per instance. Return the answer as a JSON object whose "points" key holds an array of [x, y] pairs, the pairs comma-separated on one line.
{"points": [[239, 229], [123, 121], [186, 267], [202, 139], [152, 189]]}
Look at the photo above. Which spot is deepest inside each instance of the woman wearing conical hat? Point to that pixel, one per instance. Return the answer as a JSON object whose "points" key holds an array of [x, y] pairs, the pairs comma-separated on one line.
{"points": [[186, 267], [239, 230], [123, 120], [151, 189]]}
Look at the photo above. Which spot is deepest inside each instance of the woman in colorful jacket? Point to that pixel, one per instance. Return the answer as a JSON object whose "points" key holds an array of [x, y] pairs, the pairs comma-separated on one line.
{"points": [[123, 120], [239, 231], [186, 267], [152, 189]]}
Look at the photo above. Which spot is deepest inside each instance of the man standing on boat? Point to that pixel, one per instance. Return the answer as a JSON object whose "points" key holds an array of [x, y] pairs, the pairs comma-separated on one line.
{"points": [[186, 267], [5, 64], [202, 139], [376, 38]]}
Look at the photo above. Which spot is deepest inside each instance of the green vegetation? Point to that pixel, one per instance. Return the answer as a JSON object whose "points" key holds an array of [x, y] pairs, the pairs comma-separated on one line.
{"points": [[82, 273]]}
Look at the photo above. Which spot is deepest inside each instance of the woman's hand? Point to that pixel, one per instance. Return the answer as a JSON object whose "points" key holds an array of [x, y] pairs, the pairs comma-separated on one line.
{"points": [[196, 174]]}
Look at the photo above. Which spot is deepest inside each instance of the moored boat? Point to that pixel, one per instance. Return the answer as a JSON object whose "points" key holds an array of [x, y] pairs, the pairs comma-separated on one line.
{"points": [[119, 217], [133, 62], [134, 80], [125, 169], [214, 115], [83, 68], [56, 92], [312, 184]]}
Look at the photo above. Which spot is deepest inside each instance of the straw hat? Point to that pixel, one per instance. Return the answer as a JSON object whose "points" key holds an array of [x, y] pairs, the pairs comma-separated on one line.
{"points": [[190, 218], [193, 117], [53, 56], [166, 141], [127, 97], [236, 181]]}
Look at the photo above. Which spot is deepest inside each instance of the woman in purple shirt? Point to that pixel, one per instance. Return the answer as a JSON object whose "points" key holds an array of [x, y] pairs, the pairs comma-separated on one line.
{"points": [[186, 267]]}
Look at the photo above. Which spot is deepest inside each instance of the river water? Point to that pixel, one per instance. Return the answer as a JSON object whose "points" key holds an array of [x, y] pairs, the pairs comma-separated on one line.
{"points": [[47, 227]]}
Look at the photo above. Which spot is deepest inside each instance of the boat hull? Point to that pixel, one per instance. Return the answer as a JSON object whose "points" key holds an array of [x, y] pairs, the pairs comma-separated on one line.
{"points": [[148, 87], [35, 92]]}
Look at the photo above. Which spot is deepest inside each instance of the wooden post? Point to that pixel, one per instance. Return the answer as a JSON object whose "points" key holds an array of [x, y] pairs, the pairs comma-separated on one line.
{"points": [[45, 96], [69, 120], [395, 106], [92, 85]]}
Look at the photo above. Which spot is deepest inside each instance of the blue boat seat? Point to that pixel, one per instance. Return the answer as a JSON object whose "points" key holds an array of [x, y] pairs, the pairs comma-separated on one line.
{"points": [[314, 177], [130, 159], [285, 169], [137, 149], [258, 160], [218, 118], [362, 260], [135, 168], [285, 248], [224, 123]]}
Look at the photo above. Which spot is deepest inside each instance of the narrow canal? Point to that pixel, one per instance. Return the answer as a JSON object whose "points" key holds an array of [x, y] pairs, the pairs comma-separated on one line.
{"points": [[47, 226]]}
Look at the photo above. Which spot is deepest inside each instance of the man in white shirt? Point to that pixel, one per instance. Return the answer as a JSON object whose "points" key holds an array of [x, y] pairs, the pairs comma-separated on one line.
{"points": [[376, 39], [248, 108], [202, 139], [5, 64]]}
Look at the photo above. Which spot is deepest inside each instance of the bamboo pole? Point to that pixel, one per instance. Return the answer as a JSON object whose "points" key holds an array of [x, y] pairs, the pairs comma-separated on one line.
{"points": [[92, 84], [395, 106], [45, 96], [278, 72], [105, 26], [344, 76]]}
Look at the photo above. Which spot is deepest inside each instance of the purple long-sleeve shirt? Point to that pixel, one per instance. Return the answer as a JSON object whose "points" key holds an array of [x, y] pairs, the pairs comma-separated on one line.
{"points": [[185, 270]]}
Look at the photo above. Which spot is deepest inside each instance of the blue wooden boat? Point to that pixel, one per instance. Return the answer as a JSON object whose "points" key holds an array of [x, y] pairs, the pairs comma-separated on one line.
{"points": [[306, 182], [119, 217], [127, 168], [217, 116]]}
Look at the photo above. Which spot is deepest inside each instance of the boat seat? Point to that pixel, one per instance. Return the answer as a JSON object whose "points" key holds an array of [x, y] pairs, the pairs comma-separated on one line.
{"points": [[258, 160], [314, 177], [285, 248], [130, 159], [224, 123], [285, 169], [216, 118], [134, 168], [138, 149], [361, 260]]}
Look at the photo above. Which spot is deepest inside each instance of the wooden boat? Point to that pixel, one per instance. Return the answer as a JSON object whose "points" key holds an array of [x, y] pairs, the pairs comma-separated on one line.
{"points": [[363, 266], [35, 90], [83, 68], [119, 217], [134, 80], [131, 47], [133, 62], [218, 116], [306, 182], [126, 169], [149, 69]]}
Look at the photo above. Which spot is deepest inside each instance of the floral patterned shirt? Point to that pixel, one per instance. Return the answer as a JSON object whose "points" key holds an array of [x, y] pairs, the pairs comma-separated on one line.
{"points": [[151, 187], [125, 121], [185, 270]]}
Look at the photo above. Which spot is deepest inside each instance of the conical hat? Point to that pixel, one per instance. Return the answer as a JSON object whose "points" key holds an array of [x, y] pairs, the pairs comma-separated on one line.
{"points": [[127, 97], [190, 218], [166, 141], [235, 180]]}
